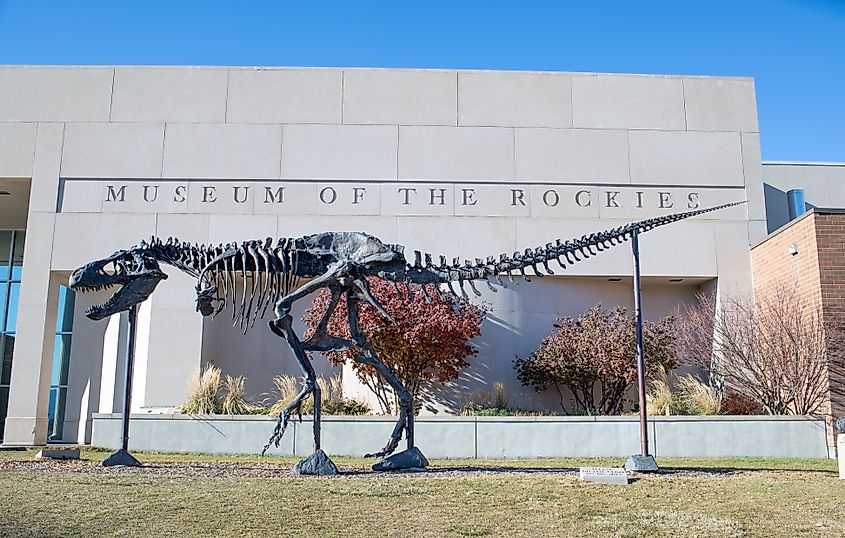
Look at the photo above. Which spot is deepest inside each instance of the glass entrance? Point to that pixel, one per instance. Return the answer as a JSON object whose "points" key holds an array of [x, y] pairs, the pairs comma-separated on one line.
{"points": [[11, 265]]}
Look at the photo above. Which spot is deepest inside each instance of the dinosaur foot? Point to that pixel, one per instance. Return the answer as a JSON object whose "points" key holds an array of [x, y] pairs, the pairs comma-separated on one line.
{"points": [[317, 463], [411, 459]]}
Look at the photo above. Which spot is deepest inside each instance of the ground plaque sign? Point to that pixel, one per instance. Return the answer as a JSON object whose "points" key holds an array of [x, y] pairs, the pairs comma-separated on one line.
{"points": [[604, 475]]}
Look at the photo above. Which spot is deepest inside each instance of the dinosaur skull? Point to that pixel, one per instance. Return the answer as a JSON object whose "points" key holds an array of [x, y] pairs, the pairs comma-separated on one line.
{"points": [[135, 271]]}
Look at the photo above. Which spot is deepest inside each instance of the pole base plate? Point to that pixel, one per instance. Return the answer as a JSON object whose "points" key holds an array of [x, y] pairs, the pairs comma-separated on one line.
{"points": [[121, 457], [641, 464]]}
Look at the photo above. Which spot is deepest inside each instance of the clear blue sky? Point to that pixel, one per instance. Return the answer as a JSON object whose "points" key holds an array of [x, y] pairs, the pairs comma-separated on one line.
{"points": [[794, 49]]}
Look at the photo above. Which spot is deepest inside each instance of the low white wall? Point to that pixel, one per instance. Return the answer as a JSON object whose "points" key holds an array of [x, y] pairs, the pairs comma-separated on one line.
{"points": [[479, 437]]}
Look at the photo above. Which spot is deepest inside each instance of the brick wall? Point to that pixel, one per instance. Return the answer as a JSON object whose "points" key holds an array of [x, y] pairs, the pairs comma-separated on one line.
{"points": [[830, 234], [818, 269]]}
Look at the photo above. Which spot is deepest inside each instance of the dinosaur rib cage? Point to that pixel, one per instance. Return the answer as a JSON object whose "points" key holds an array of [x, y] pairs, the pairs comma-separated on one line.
{"points": [[251, 275]]}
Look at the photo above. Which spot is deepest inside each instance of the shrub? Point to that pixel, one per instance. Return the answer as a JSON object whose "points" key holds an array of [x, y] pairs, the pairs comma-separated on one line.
{"points": [[204, 394], [595, 358], [775, 349], [736, 403]]}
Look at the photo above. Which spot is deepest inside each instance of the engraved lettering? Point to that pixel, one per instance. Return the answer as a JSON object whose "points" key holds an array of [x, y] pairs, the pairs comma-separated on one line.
{"points": [[551, 201], [517, 195], [469, 197], [112, 195], [407, 192], [209, 194], [639, 198], [358, 194], [147, 193], [180, 193], [441, 196], [237, 190], [580, 201], [611, 199], [332, 195], [694, 201], [278, 197], [665, 200]]}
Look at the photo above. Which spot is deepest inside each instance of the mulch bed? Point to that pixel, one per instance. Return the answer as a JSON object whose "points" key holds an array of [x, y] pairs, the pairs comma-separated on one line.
{"points": [[281, 470]]}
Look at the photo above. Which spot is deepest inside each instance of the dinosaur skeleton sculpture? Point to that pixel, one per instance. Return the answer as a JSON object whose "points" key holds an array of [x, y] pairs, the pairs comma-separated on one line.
{"points": [[255, 274]]}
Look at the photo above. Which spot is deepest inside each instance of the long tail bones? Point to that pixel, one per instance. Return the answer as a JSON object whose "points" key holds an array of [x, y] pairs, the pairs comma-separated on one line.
{"points": [[444, 275]]}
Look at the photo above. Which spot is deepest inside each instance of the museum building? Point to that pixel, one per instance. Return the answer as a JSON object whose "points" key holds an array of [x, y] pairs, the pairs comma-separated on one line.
{"points": [[455, 163]]}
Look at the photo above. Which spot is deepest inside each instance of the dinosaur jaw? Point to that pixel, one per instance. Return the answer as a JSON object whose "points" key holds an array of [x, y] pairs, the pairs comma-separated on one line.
{"points": [[136, 275], [136, 291]]}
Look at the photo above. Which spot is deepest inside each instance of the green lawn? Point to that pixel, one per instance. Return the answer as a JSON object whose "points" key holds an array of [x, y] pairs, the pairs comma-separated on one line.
{"points": [[194, 495]]}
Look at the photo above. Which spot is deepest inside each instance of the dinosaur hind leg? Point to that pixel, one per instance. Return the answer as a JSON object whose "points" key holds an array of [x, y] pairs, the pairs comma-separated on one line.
{"points": [[282, 327], [367, 355]]}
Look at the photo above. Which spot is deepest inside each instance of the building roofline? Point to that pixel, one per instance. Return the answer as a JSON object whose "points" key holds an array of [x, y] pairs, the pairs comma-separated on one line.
{"points": [[802, 163], [364, 68], [811, 211]]}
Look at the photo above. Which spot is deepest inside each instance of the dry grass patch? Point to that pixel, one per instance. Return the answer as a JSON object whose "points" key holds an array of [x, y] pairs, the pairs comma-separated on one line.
{"points": [[770, 498]]}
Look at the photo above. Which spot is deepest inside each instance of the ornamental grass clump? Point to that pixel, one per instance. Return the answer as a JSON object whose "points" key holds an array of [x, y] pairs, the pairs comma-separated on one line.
{"points": [[286, 390], [487, 403], [204, 393], [332, 401], [697, 397], [691, 396], [660, 398], [235, 403]]}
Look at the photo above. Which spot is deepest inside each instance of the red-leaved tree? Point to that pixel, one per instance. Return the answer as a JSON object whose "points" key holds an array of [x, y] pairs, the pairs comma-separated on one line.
{"points": [[427, 343]]}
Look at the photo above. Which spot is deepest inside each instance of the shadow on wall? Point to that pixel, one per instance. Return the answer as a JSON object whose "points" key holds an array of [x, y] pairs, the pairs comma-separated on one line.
{"points": [[259, 355]]}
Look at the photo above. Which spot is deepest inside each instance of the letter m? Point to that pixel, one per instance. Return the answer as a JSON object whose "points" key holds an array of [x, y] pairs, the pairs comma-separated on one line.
{"points": [[112, 195], [276, 198]]}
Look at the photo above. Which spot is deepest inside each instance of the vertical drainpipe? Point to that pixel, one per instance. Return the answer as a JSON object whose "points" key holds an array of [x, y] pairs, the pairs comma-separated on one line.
{"points": [[795, 200]]}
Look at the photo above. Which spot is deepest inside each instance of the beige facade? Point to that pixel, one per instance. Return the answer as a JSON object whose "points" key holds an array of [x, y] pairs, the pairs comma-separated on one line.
{"points": [[458, 163]]}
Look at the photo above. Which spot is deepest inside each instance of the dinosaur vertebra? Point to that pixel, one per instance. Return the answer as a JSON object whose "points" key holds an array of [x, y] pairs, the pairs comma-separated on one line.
{"points": [[255, 274]]}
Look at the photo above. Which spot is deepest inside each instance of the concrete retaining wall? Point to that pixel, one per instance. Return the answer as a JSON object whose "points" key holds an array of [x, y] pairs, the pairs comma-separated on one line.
{"points": [[480, 437]]}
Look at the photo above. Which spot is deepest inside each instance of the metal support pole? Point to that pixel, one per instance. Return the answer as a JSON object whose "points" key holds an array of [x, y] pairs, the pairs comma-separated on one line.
{"points": [[638, 307], [122, 456], [645, 462], [317, 414], [410, 427]]}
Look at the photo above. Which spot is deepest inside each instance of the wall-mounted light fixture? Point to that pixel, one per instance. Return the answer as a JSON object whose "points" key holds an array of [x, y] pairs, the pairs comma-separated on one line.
{"points": [[614, 279], [676, 280], [793, 249]]}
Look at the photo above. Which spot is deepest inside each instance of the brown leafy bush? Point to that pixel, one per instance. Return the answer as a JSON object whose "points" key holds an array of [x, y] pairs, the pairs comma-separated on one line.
{"points": [[594, 357], [736, 403]]}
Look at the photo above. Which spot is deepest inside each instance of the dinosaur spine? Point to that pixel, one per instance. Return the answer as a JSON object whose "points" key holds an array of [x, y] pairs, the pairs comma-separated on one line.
{"points": [[562, 252]]}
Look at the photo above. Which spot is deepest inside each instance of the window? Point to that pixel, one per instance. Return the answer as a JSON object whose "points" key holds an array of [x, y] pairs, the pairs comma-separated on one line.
{"points": [[11, 264], [61, 365]]}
